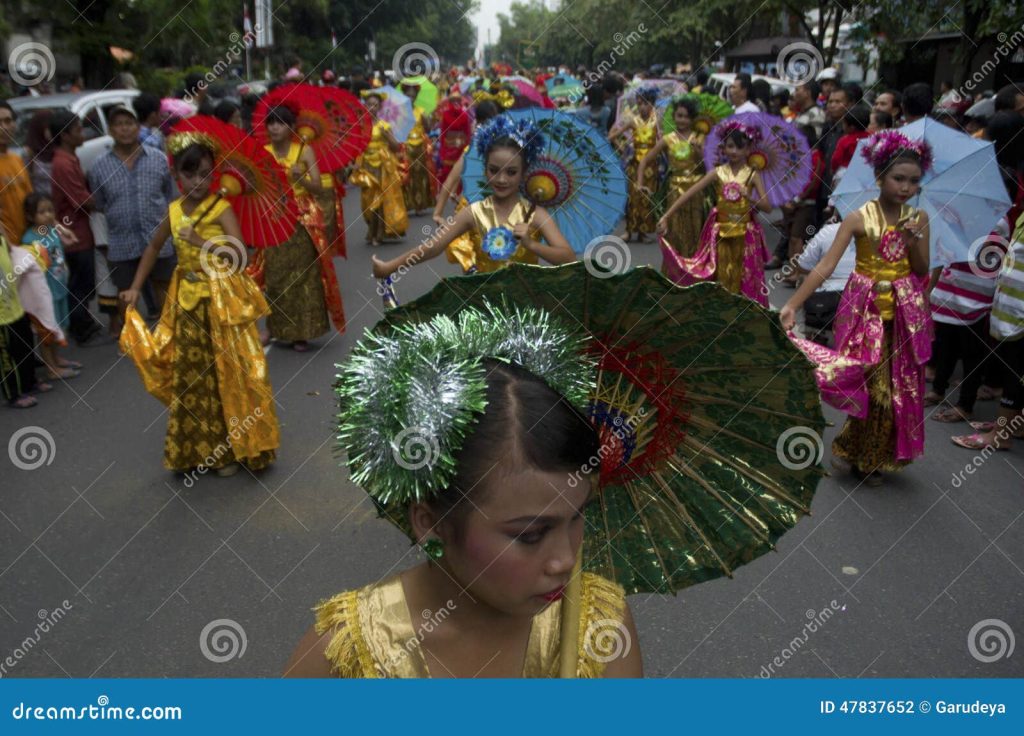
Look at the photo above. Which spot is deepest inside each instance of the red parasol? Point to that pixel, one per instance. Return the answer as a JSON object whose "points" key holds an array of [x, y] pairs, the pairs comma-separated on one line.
{"points": [[248, 175], [353, 120], [323, 129]]}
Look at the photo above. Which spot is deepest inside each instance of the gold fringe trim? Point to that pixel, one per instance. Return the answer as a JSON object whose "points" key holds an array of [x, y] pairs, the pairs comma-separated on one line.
{"points": [[601, 600], [347, 651]]}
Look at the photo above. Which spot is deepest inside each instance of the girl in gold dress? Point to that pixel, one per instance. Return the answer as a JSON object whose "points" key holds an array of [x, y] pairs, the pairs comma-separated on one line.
{"points": [[379, 180], [508, 225], [419, 189], [301, 283], [732, 247], [684, 147], [204, 359], [884, 320], [499, 516], [644, 124]]}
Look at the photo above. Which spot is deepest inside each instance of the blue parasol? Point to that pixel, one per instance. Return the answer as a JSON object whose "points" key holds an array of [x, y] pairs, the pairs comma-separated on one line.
{"points": [[963, 193], [396, 109], [576, 176]]}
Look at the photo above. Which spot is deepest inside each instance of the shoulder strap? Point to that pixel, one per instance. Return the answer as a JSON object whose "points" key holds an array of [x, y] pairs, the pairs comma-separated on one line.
{"points": [[347, 651], [603, 635]]}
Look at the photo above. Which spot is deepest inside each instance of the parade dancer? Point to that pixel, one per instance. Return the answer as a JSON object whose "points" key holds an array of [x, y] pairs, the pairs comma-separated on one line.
{"points": [[419, 188], [685, 168], [499, 515], [644, 126], [732, 247], [204, 359], [378, 177], [511, 230], [301, 283], [883, 318]]}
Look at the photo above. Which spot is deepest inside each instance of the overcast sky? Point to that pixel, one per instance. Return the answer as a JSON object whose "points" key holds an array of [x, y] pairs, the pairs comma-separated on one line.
{"points": [[487, 18]]}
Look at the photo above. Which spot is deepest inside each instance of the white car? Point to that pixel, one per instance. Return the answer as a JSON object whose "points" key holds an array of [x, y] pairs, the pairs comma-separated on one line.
{"points": [[90, 107], [718, 84]]}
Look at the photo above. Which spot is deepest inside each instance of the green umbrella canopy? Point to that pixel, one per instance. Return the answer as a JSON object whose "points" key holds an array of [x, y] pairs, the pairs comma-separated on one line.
{"points": [[426, 99], [709, 417]]}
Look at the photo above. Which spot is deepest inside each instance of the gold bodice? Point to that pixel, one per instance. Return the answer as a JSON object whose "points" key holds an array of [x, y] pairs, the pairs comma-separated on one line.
{"points": [[377, 150], [645, 135], [290, 159], [684, 157], [417, 135], [486, 219], [870, 262], [733, 216], [194, 264]]}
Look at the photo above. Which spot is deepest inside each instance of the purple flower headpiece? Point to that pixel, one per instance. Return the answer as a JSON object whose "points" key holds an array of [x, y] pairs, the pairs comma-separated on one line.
{"points": [[883, 146], [525, 133], [730, 124]]}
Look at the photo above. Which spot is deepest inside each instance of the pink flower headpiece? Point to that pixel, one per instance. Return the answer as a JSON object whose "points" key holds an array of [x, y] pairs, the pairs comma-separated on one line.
{"points": [[730, 124], [880, 149]]}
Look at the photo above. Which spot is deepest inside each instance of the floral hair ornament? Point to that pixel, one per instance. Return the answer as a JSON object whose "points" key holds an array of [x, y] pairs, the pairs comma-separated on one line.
{"points": [[410, 396], [525, 133], [884, 146]]}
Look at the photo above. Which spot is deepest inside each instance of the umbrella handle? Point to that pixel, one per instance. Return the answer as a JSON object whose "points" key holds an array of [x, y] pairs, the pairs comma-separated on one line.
{"points": [[387, 292], [220, 195], [570, 628]]}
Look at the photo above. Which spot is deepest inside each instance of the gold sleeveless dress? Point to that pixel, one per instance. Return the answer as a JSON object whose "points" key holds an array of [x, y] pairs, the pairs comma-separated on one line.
{"points": [[374, 634], [640, 207], [733, 218], [685, 168]]}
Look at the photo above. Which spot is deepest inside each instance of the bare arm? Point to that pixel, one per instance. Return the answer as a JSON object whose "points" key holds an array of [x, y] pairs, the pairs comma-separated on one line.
{"points": [[148, 260], [308, 175], [556, 248], [851, 226], [648, 158], [432, 247], [630, 664], [690, 193], [448, 188], [761, 202], [308, 659], [918, 235]]}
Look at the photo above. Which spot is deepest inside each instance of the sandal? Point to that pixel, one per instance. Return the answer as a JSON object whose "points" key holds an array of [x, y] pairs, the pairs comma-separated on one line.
{"points": [[931, 399], [70, 364], [24, 402], [300, 346], [951, 415], [987, 393], [62, 374], [975, 442], [989, 426], [41, 387]]}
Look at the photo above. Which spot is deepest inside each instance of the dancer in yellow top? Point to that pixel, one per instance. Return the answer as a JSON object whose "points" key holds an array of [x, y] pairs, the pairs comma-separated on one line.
{"points": [[204, 359], [640, 208], [421, 184], [378, 177], [508, 225]]}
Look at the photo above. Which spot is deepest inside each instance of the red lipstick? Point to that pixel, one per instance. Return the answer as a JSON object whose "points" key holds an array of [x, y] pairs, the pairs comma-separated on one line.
{"points": [[555, 594]]}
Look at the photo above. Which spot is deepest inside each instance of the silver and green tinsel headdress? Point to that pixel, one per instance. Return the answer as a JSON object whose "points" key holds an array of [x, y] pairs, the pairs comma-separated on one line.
{"points": [[410, 397]]}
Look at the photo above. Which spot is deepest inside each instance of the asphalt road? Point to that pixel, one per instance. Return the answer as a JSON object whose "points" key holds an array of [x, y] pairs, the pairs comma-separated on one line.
{"points": [[923, 577]]}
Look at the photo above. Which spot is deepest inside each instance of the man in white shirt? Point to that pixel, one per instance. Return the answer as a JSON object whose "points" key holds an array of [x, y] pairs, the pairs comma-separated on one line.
{"points": [[820, 308], [739, 92]]}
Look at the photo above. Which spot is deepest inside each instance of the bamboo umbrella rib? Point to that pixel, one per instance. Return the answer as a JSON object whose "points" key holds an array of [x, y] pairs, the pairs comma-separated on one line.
{"points": [[699, 398], [742, 513], [690, 522], [628, 485]]}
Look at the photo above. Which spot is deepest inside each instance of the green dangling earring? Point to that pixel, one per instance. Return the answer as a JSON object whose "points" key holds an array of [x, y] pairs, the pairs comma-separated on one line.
{"points": [[433, 548]]}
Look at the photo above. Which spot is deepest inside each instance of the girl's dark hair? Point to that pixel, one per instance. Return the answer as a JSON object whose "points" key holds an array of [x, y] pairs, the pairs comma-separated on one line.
{"points": [[224, 110], [737, 137], [505, 141], [281, 114], [188, 160], [485, 111], [526, 424], [858, 117], [595, 96], [902, 156], [31, 205], [691, 107]]}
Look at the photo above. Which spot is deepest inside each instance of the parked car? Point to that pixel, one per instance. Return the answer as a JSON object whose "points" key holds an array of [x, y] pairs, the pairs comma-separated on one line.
{"points": [[718, 84], [91, 107]]}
